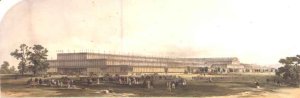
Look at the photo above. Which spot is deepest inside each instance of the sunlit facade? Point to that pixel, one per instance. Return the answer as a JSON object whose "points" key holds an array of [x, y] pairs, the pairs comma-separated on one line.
{"points": [[99, 64]]}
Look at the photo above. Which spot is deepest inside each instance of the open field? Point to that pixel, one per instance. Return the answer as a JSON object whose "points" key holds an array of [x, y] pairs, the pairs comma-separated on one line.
{"points": [[238, 86]]}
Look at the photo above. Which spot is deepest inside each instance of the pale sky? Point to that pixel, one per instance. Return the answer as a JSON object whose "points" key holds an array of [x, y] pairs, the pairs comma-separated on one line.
{"points": [[255, 31]]}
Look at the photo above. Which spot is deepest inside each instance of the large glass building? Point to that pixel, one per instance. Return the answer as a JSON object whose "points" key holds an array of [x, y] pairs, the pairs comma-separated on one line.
{"points": [[100, 64]]}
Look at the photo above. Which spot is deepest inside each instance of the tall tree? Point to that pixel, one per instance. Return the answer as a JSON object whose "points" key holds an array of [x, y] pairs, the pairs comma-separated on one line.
{"points": [[4, 68], [291, 70], [38, 59], [22, 54]]}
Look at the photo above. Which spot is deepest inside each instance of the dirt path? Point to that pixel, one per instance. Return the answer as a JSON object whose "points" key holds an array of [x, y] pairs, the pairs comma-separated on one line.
{"points": [[260, 93], [13, 94]]}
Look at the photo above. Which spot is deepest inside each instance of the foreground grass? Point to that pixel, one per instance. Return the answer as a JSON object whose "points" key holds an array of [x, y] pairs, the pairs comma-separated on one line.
{"points": [[195, 88]]}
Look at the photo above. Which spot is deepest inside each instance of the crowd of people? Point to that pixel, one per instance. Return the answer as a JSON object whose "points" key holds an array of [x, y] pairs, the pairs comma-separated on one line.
{"points": [[209, 79], [145, 81], [148, 81], [60, 82]]}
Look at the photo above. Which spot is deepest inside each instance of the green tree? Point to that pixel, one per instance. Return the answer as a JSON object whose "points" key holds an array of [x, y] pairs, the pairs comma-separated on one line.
{"points": [[290, 71], [12, 69], [38, 59], [22, 54], [4, 68]]}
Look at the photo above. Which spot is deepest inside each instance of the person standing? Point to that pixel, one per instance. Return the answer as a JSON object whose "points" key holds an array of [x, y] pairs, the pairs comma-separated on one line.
{"points": [[98, 81], [128, 81], [29, 81], [121, 80], [169, 87], [151, 83], [68, 84], [57, 83], [210, 80], [257, 84], [148, 82], [40, 81], [36, 80], [60, 83], [184, 83], [173, 85], [89, 82], [134, 80]]}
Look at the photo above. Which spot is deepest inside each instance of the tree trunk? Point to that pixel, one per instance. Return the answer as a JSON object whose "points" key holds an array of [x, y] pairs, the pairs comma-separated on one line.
{"points": [[22, 70]]}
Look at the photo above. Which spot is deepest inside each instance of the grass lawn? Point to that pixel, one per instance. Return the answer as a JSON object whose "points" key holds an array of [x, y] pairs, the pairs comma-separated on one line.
{"points": [[195, 88]]}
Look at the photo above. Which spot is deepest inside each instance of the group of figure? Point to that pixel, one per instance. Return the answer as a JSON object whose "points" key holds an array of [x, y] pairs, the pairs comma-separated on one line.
{"points": [[62, 82], [129, 80], [226, 78], [35, 82], [145, 81], [172, 85]]}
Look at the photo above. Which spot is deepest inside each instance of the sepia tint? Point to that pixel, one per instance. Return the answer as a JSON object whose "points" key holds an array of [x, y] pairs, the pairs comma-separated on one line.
{"points": [[149, 48]]}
